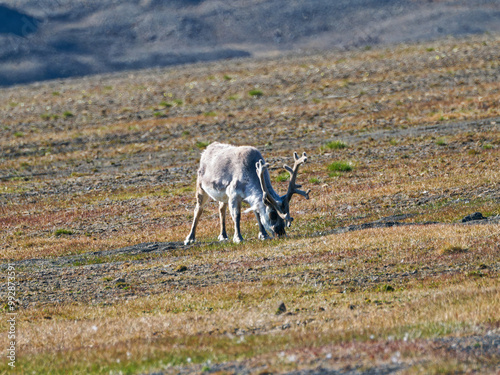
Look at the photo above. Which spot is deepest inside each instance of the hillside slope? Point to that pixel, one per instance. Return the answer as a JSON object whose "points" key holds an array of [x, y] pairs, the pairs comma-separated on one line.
{"points": [[378, 273], [73, 38]]}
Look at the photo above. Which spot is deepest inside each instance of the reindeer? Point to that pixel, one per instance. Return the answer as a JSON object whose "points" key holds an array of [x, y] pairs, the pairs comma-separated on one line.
{"points": [[232, 175]]}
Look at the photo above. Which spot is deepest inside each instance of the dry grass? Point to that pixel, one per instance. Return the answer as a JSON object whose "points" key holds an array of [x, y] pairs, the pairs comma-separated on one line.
{"points": [[329, 276], [114, 175]]}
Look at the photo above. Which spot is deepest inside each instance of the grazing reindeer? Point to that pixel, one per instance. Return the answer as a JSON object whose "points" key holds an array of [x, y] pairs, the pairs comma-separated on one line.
{"points": [[231, 175]]}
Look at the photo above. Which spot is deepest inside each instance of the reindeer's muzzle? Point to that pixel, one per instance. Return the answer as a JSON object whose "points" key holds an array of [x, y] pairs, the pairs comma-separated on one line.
{"points": [[280, 232], [279, 228]]}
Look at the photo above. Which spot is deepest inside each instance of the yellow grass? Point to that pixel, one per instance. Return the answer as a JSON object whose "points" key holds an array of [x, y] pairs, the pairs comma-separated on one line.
{"points": [[109, 179]]}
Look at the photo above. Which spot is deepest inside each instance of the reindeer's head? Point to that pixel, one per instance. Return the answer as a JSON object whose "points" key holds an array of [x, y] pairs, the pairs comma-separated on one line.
{"points": [[277, 215]]}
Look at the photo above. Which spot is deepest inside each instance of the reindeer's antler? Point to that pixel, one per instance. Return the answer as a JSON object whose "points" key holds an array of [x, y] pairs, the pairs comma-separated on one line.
{"points": [[261, 167], [293, 187]]}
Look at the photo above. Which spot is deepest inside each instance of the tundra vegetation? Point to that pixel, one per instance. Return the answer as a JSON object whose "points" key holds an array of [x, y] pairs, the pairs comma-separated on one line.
{"points": [[377, 271]]}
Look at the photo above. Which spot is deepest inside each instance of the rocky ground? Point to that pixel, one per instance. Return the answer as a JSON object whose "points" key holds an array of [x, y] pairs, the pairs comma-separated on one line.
{"points": [[49, 40], [379, 274]]}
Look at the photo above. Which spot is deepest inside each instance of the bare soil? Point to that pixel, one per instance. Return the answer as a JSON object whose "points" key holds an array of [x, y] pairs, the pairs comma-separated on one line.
{"points": [[378, 274]]}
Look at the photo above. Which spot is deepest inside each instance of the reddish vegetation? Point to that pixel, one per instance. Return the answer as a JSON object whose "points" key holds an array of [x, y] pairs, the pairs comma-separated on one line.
{"points": [[94, 206]]}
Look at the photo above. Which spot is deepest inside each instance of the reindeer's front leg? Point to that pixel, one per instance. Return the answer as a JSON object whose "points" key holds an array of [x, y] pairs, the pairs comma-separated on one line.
{"points": [[222, 215], [262, 232], [235, 209]]}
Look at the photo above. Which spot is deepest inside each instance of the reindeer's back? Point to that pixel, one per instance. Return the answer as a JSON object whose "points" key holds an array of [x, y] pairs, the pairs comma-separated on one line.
{"points": [[223, 164]]}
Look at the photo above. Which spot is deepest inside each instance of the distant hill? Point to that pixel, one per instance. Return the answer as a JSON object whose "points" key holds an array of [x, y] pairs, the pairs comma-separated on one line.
{"points": [[15, 23], [42, 40]]}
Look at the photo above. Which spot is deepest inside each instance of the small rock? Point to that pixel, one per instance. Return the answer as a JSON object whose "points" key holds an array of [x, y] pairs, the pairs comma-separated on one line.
{"points": [[281, 308], [181, 268], [119, 280], [474, 216]]}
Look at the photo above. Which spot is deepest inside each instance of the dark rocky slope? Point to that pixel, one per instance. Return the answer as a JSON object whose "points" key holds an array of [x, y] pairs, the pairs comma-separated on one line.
{"points": [[46, 40]]}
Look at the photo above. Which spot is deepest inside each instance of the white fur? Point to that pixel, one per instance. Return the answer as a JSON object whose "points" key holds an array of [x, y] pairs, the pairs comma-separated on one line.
{"points": [[228, 174]]}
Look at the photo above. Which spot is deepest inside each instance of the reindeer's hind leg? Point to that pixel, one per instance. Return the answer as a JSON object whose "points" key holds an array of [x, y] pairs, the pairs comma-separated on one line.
{"points": [[201, 199], [222, 215]]}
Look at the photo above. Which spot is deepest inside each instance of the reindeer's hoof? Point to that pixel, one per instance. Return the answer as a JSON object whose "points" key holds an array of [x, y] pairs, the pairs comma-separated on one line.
{"points": [[189, 241], [264, 236], [237, 239], [222, 238]]}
